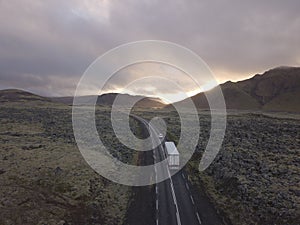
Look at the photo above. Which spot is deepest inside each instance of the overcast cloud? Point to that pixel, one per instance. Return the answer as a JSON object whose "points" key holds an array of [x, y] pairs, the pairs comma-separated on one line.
{"points": [[45, 46]]}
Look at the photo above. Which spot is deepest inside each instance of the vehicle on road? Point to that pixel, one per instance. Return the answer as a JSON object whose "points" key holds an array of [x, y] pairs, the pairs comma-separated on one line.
{"points": [[160, 136], [173, 155]]}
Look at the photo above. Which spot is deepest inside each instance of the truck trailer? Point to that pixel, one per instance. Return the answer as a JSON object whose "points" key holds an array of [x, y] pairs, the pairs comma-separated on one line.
{"points": [[173, 155]]}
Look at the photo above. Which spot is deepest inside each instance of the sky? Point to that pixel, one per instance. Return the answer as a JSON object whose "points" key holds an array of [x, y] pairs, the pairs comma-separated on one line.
{"points": [[46, 46]]}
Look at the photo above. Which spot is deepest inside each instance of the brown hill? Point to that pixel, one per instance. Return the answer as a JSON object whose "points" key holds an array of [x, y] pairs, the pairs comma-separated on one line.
{"points": [[15, 95], [235, 98], [275, 90]]}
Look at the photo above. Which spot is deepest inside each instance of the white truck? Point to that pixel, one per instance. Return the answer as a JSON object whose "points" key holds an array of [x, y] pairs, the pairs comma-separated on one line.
{"points": [[173, 155]]}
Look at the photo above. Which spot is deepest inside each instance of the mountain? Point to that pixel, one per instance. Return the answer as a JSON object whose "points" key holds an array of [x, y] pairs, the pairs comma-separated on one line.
{"points": [[275, 90], [15, 95], [108, 100]]}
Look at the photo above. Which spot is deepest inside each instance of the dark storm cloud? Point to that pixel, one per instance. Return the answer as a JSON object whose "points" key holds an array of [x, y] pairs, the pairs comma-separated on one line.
{"points": [[238, 36], [45, 46]]}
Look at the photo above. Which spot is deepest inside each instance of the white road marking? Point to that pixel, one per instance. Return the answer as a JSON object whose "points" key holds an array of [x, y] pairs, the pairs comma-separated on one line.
{"points": [[173, 192], [187, 186], [192, 200], [183, 176], [178, 218], [169, 173], [198, 217], [174, 199]]}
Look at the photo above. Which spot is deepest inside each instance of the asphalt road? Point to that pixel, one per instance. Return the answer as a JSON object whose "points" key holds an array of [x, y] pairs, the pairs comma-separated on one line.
{"points": [[174, 200]]}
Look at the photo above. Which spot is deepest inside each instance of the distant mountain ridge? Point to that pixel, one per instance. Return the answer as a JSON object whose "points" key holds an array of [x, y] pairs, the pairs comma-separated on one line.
{"points": [[15, 95], [109, 98], [275, 90]]}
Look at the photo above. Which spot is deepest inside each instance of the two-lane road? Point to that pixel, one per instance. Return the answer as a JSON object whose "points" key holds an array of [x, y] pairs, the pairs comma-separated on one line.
{"points": [[180, 205], [174, 200]]}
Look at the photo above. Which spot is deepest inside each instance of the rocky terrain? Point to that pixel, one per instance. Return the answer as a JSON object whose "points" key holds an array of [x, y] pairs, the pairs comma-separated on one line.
{"points": [[255, 177], [43, 177]]}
